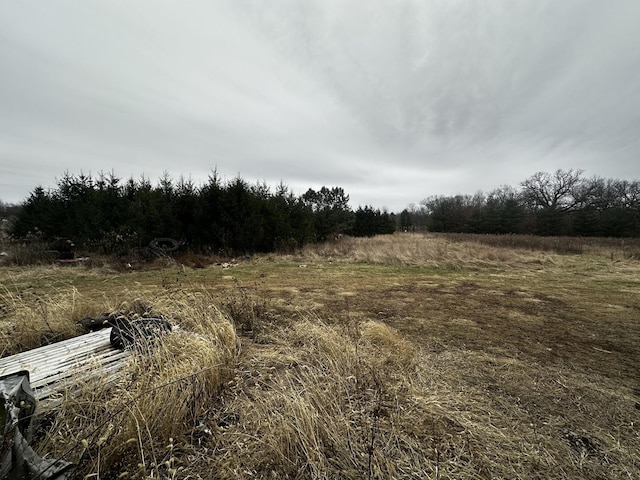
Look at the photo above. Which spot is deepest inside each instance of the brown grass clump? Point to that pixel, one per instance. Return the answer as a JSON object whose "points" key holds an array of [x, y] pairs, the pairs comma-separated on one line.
{"points": [[467, 250], [429, 250], [624, 248], [321, 401], [29, 319], [137, 423]]}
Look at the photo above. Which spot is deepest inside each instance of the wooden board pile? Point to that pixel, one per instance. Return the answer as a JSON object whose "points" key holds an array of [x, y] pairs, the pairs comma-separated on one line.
{"points": [[51, 367]]}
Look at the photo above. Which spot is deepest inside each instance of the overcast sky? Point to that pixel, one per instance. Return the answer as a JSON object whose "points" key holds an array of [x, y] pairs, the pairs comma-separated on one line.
{"points": [[392, 100]]}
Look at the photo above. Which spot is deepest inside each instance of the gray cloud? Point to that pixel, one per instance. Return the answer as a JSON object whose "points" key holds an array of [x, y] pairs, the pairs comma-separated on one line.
{"points": [[393, 101]]}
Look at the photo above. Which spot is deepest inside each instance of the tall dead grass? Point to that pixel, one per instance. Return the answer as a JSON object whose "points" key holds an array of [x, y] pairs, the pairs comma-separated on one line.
{"points": [[320, 401], [455, 251], [29, 319], [315, 400], [428, 250], [622, 248], [134, 424]]}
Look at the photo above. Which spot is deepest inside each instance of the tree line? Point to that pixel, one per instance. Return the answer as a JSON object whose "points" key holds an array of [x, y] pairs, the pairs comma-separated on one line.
{"points": [[559, 203], [229, 217], [109, 215]]}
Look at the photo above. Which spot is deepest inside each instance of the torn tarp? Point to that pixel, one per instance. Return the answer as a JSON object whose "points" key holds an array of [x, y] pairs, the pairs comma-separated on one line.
{"points": [[18, 460]]}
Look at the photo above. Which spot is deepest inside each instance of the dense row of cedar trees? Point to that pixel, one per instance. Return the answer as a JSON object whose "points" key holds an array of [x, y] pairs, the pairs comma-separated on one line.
{"points": [[235, 217], [222, 217]]}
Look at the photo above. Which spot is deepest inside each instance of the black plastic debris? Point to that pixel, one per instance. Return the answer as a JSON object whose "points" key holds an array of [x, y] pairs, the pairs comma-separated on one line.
{"points": [[19, 461], [142, 331]]}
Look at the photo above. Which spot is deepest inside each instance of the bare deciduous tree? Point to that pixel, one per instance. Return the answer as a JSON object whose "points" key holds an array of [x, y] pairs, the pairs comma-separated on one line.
{"points": [[561, 191]]}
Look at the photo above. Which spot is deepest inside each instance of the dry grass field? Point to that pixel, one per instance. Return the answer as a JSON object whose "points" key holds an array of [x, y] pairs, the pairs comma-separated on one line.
{"points": [[407, 356]]}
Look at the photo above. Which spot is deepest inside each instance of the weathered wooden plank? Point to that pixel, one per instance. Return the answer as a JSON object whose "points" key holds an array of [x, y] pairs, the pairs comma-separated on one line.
{"points": [[57, 370], [45, 357], [60, 366], [72, 367]]}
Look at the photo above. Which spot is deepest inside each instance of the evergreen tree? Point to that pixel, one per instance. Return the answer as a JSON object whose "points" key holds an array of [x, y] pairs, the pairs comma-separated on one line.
{"points": [[406, 223], [332, 214]]}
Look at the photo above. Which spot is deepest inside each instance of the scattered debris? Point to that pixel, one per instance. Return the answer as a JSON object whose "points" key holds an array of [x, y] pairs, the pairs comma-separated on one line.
{"points": [[129, 333], [62, 249], [79, 358], [50, 366], [164, 245], [137, 309], [18, 460]]}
